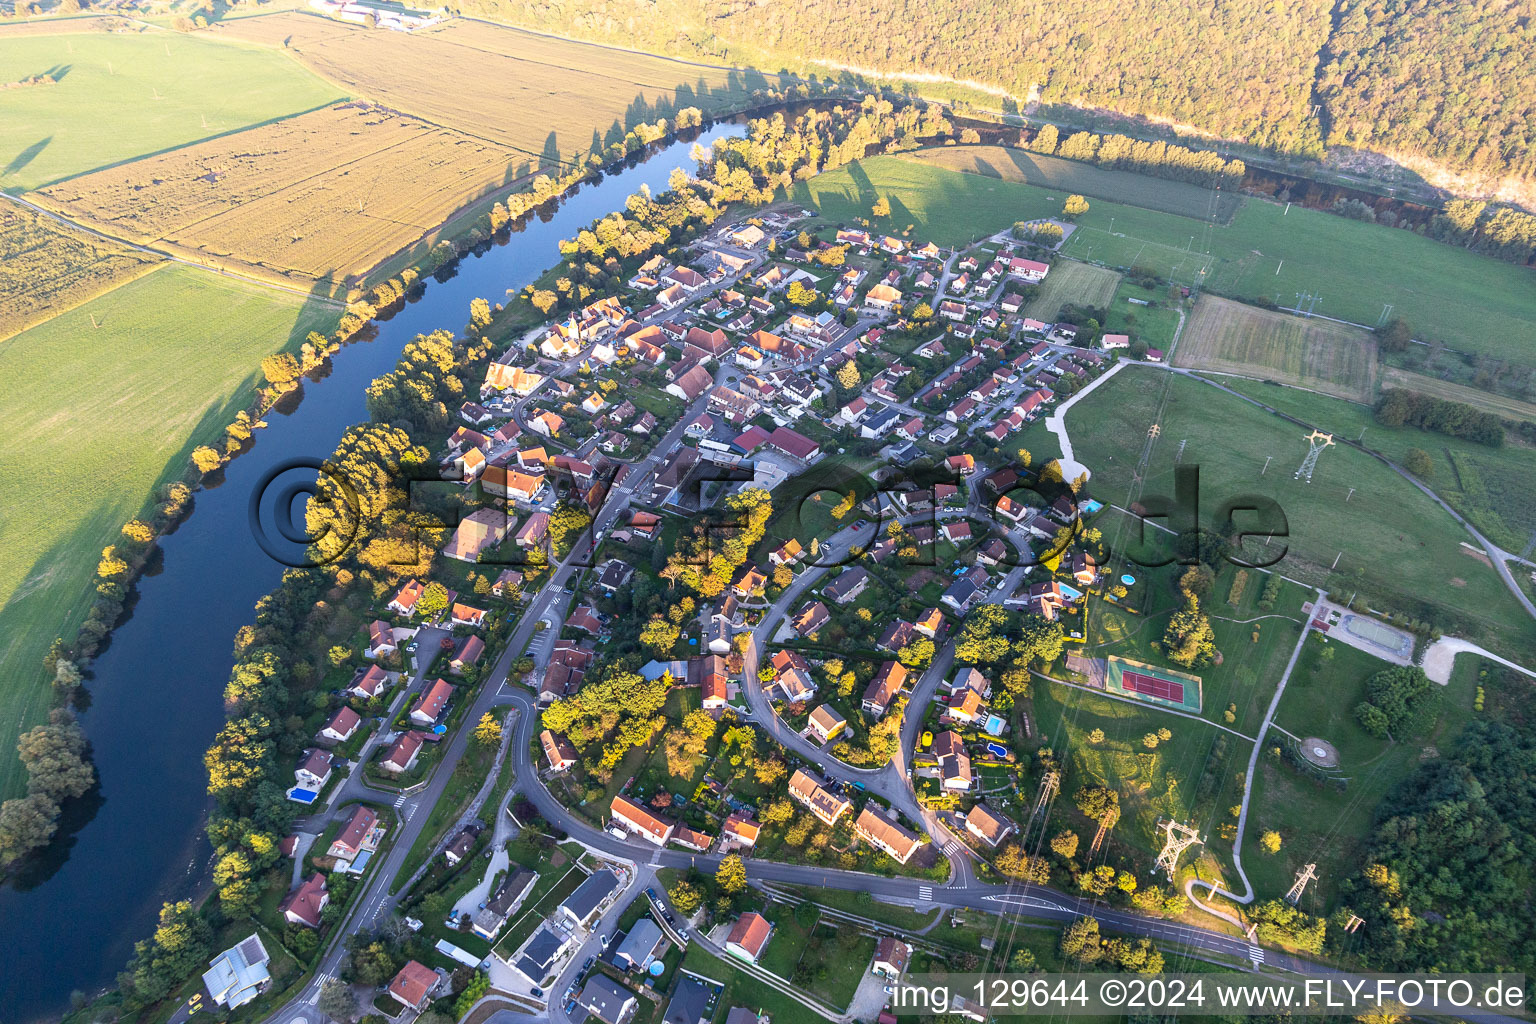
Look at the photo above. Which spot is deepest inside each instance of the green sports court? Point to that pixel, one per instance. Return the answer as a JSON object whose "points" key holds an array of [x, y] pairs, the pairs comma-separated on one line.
{"points": [[1154, 685]]}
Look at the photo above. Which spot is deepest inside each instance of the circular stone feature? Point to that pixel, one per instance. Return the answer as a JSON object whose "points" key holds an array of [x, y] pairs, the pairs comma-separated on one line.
{"points": [[1320, 752]]}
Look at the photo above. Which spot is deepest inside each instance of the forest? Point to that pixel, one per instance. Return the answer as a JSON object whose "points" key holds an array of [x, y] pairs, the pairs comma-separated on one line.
{"points": [[1433, 78]]}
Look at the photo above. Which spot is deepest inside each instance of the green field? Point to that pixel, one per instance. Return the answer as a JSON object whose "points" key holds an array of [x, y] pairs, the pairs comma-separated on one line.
{"points": [[1074, 282], [1154, 325], [1387, 540], [1492, 487], [1233, 337], [1321, 824], [1020, 165], [122, 96], [94, 420], [1467, 301]]}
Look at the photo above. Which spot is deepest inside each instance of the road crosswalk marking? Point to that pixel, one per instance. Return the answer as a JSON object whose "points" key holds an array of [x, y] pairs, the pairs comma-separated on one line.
{"points": [[1256, 955], [399, 801], [951, 848], [925, 892]]}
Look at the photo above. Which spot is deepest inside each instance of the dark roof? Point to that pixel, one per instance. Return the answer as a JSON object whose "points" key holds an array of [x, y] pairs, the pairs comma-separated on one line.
{"points": [[590, 894], [604, 998], [688, 1002]]}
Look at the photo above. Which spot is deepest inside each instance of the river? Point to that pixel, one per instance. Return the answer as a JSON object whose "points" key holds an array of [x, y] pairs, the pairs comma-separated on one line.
{"points": [[70, 923]]}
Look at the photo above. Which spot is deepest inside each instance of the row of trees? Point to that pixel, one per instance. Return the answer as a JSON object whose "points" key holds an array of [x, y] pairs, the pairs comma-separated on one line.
{"points": [[1399, 408], [1158, 159]]}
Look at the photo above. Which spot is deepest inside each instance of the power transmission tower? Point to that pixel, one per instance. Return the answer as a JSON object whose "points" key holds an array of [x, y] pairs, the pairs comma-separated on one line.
{"points": [[1355, 921], [1303, 876], [1179, 458], [1316, 441], [1146, 450], [1177, 837], [1048, 787], [1106, 823]]}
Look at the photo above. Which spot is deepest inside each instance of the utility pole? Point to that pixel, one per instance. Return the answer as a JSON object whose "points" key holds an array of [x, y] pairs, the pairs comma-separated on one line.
{"points": [[1177, 837], [1303, 876], [1351, 494], [1267, 458], [1355, 921], [1111, 817]]}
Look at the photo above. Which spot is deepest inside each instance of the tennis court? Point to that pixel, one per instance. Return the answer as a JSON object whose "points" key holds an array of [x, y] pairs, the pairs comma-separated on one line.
{"points": [[1152, 684]]}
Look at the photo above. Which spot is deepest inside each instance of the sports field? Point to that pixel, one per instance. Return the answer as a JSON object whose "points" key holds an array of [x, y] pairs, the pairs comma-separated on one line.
{"points": [[120, 96], [550, 99], [1358, 524], [1152, 684], [1232, 337], [1074, 282], [46, 267], [1067, 176], [93, 417], [1468, 301], [323, 195]]}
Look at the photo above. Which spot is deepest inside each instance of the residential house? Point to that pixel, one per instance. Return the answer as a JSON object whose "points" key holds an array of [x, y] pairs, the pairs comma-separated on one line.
{"points": [[1028, 271], [1046, 599], [929, 623], [477, 532], [965, 707], [464, 615], [1082, 566], [691, 384], [1114, 341], [303, 905], [826, 805], [692, 1002], [356, 836], [714, 683], [882, 689], [952, 310], [641, 947], [794, 444], [586, 619], [886, 835], [740, 830], [314, 770], [987, 825], [461, 845], [896, 636], [787, 553], [504, 902], [636, 820], [749, 583], [607, 1000], [749, 937], [341, 725], [956, 531], [466, 655], [239, 974], [792, 677], [412, 988], [911, 430], [381, 640], [826, 724], [892, 957], [810, 618], [882, 296], [881, 424], [429, 707], [402, 754], [404, 602], [954, 762], [501, 377], [848, 586], [533, 531], [558, 751], [581, 908]]}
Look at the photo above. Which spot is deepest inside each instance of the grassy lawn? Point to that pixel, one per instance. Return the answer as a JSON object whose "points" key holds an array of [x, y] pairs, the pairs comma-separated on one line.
{"points": [[1317, 822], [1077, 283], [467, 778], [1154, 325], [162, 90], [742, 990], [134, 366], [1490, 486], [1357, 526], [862, 904], [1468, 301], [554, 885], [1020, 165]]}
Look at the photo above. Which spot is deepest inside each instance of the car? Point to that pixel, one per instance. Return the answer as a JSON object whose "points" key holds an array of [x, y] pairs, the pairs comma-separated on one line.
{"points": [[650, 894], [588, 965], [672, 920], [570, 1007], [537, 992], [603, 941], [682, 933], [889, 990]]}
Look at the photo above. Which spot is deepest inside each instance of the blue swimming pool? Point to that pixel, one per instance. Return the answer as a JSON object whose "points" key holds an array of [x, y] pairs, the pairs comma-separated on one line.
{"points": [[994, 725], [1090, 506], [1071, 593], [997, 750], [1128, 580]]}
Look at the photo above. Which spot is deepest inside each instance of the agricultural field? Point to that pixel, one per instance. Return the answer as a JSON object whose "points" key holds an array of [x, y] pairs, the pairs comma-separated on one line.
{"points": [[1231, 337], [121, 95], [1488, 401], [1074, 282], [1470, 302], [47, 267], [1317, 822], [1358, 526], [550, 100], [1067, 176], [1492, 487], [327, 194], [134, 365]]}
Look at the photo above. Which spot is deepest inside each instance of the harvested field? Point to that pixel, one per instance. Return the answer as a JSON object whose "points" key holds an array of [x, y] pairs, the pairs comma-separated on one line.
{"points": [[321, 196], [1070, 281], [46, 267], [1488, 401], [549, 99], [1230, 337], [1128, 187]]}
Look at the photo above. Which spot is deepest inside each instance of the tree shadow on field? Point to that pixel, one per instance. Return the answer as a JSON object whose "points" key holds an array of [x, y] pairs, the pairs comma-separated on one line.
{"points": [[550, 156], [25, 157]]}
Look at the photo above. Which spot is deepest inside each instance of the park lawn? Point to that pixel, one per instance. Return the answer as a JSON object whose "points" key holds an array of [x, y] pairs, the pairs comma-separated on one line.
{"points": [[1468, 301], [1078, 283], [1152, 784], [1067, 176], [1155, 325], [1490, 486], [1357, 527], [1318, 823], [743, 990], [63, 376], [121, 96]]}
